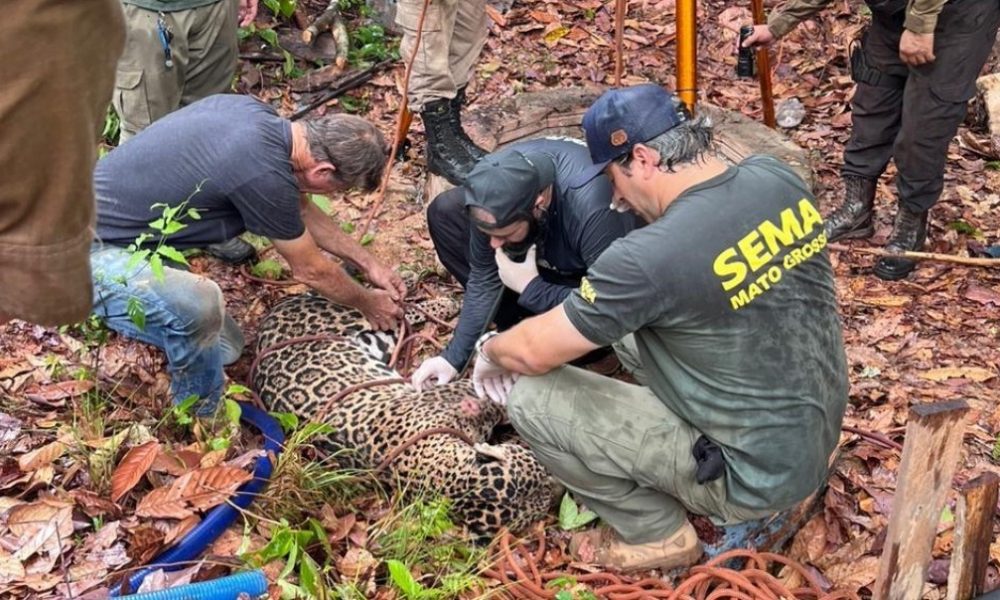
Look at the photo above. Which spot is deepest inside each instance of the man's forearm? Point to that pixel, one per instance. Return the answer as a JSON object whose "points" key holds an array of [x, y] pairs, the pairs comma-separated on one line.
{"points": [[922, 15], [329, 237], [335, 284], [792, 13]]}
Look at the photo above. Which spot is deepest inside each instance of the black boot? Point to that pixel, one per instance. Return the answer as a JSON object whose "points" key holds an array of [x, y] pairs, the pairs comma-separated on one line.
{"points": [[908, 234], [853, 219], [235, 251], [446, 153], [456, 108]]}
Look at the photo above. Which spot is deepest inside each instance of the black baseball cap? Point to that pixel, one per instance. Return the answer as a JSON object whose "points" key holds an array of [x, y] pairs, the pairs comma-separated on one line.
{"points": [[621, 118], [506, 184]]}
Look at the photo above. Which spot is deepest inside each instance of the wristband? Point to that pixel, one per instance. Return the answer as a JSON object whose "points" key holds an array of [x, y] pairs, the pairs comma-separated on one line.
{"points": [[481, 342]]}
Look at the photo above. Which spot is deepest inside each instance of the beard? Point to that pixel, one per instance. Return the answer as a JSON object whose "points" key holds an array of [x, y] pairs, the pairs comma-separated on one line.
{"points": [[516, 251]]}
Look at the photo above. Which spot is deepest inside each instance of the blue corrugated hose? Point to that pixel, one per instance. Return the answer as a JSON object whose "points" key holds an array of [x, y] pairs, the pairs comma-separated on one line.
{"points": [[222, 516], [252, 583]]}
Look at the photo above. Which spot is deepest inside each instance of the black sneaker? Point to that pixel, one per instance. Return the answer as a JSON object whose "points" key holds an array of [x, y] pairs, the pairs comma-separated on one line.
{"points": [[234, 251]]}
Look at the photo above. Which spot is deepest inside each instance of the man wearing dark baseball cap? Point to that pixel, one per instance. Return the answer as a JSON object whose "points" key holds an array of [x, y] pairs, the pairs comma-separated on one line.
{"points": [[723, 306], [518, 237]]}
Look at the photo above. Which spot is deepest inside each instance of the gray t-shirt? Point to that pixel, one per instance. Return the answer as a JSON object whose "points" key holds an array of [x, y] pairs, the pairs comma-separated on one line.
{"points": [[229, 154], [730, 295]]}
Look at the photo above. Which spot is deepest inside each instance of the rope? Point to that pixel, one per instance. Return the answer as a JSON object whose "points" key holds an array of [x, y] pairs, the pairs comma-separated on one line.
{"points": [[380, 196], [517, 568], [323, 337], [394, 454]]}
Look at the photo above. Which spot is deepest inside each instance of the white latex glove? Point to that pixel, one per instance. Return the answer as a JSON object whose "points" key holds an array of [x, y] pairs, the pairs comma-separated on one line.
{"points": [[517, 276], [437, 368], [490, 380]]}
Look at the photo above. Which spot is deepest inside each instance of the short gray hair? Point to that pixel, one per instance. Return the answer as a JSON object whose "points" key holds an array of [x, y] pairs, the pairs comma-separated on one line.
{"points": [[351, 144], [686, 143]]}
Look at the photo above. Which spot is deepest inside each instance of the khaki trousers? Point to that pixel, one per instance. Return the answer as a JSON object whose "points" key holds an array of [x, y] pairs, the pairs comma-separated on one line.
{"points": [[57, 72], [621, 452], [203, 51], [453, 35]]}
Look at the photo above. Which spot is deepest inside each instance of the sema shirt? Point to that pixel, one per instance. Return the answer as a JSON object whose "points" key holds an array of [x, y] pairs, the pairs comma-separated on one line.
{"points": [[730, 295]]}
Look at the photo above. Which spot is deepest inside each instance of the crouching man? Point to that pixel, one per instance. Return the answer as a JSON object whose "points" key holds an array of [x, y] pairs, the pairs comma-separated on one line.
{"points": [[724, 307], [221, 166]]}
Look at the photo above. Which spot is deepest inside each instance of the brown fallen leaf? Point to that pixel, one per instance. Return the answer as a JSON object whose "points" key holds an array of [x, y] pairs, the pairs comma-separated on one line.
{"points": [[11, 568], [59, 391], [132, 467], [983, 295], [356, 563], [977, 374], [199, 490], [180, 529], [40, 457]]}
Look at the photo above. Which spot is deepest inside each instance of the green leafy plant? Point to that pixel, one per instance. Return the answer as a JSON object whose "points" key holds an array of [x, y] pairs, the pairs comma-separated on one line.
{"points": [[268, 269], [281, 8], [570, 516], [993, 165], [369, 43], [112, 127], [367, 238]]}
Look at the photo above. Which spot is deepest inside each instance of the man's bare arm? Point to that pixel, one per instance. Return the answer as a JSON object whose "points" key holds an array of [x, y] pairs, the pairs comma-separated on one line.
{"points": [[329, 237], [312, 268], [539, 344]]}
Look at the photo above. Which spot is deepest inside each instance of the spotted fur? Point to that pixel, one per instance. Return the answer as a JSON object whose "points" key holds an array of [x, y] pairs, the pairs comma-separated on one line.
{"points": [[496, 484]]}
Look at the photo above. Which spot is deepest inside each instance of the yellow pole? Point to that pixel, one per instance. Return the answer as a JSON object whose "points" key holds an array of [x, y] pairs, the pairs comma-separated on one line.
{"points": [[687, 61]]}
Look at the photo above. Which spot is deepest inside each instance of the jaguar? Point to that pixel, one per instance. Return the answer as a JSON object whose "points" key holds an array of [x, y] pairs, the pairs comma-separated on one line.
{"points": [[321, 362]]}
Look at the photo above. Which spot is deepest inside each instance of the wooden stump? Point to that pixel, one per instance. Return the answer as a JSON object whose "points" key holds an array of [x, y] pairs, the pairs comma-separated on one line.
{"points": [[930, 456], [558, 112]]}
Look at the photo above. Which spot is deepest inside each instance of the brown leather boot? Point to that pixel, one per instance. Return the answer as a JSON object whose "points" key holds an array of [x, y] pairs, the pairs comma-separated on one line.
{"points": [[909, 231], [602, 546], [853, 219]]}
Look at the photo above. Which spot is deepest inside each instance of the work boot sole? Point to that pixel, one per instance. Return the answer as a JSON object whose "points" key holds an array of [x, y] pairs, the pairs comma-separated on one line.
{"points": [[890, 273]]}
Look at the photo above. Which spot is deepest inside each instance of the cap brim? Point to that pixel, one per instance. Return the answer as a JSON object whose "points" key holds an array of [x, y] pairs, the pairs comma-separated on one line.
{"points": [[587, 175]]}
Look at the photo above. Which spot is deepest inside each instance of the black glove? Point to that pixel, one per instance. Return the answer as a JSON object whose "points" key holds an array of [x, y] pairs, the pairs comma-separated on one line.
{"points": [[708, 456]]}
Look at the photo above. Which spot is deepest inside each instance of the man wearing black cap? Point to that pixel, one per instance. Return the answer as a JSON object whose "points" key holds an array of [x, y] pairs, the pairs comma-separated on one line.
{"points": [[728, 295], [518, 237]]}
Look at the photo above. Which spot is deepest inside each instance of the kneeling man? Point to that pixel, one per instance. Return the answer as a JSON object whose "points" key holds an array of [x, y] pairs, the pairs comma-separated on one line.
{"points": [[724, 307]]}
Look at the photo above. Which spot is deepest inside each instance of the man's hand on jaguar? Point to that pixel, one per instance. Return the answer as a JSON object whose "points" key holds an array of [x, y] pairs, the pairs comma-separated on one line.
{"points": [[388, 280], [433, 372], [381, 310], [491, 380]]}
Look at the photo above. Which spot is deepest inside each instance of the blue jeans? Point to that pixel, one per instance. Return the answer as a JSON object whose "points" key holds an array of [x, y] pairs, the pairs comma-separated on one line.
{"points": [[185, 317]]}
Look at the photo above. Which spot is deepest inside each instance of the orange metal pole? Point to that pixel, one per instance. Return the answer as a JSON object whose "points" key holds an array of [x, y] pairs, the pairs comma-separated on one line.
{"points": [[621, 7], [764, 68], [687, 60]]}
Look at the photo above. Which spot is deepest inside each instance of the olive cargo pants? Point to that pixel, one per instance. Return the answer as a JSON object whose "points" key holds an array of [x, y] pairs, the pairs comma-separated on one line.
{"points": [[203, 51], [620, 450]]}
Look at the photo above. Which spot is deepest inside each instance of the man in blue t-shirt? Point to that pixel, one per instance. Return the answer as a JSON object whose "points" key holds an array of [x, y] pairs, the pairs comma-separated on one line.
{"points": [[221, 166], [724, 307]]}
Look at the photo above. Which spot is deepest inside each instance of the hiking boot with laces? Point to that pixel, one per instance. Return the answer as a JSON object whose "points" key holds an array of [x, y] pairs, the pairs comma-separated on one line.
{"points": [[853, 219], [909, 232], [447, 154], [602, 546]]}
